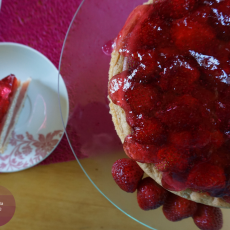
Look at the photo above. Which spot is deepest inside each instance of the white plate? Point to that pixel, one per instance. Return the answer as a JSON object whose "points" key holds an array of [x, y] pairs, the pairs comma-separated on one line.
{"points": [[39, 128]]}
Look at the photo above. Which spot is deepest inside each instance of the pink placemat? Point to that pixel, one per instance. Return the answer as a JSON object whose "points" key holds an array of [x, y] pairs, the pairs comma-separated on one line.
{"points": [[42, 25]]}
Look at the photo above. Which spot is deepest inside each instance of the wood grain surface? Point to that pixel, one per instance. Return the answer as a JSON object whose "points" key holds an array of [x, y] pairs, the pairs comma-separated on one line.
{"points": [[59, 196]]}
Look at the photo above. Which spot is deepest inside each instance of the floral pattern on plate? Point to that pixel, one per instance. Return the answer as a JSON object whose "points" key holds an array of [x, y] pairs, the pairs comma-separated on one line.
{"points": [[27, 150]]}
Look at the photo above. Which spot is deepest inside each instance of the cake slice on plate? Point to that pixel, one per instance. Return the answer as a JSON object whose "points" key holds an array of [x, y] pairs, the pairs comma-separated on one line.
{"points": [[12, 96]]}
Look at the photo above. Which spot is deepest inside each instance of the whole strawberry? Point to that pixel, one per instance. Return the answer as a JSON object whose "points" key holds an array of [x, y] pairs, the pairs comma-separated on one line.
{"points": [[208, 218], [127, 174], [150, 195], [177, 208]]}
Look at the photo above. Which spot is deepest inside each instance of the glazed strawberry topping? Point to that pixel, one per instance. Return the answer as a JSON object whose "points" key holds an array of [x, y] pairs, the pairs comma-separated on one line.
{"points": [[171, 159], [8, 86], [139, 152], [127, 174], [205, 176], [177, 8], [150, 195], [175, 91], [174, 181], [178, 75], [220, 20]]}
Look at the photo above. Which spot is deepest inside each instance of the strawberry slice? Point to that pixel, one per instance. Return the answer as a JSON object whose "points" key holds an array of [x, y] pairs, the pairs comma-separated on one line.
{"points": [[150, 195], [126, 32], [145, 102], [154, 33], [177, 8], [221, 157], [208, 218], [181, 139], [179, 73], [217, 139], [116, 88], [139, 152], [205, 96], [174, 181], [145, 65], [127, 174], [187, 35], [171, 159], [176, 208], [201, 14], [216, 68], [183, 113], [201, 138], [222, 113], [220, 19], [148, 131], [206, 177]]}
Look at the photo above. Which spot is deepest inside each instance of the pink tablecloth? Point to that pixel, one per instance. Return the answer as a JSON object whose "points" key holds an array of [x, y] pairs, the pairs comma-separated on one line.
{"points": [[42, 25]]}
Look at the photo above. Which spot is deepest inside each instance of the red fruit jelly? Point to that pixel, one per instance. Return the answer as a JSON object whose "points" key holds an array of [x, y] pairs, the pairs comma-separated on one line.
{"points": [[175, 91], [8, 85]]}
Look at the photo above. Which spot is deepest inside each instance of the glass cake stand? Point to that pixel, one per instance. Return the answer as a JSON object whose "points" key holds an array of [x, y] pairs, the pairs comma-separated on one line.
{"points": [[90, 131]]}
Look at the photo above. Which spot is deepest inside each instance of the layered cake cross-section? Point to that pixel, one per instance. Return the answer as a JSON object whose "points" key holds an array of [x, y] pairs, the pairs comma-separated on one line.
{"points": [[12, 96]]}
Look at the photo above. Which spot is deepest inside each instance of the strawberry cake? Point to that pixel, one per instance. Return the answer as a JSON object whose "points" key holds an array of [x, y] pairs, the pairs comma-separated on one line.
{"points": [[169, 91], [13, 94]]}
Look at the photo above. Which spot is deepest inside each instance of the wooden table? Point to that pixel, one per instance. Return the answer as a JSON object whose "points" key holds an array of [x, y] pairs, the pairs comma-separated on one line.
{"points": [[59, 196]]}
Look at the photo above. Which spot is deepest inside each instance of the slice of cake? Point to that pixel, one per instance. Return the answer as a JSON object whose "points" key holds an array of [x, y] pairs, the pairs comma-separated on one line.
{"points": [[170, 96], [12, 97]]}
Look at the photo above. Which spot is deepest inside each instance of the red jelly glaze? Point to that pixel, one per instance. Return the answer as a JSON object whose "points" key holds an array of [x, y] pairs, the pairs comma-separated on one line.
{"points": [[8, 86], [176, 91]]}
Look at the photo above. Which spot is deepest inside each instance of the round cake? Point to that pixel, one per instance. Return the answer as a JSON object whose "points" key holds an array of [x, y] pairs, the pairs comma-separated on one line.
{"points": [[170, 96]]}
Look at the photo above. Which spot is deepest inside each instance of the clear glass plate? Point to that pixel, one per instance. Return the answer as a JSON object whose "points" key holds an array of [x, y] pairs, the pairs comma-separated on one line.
{"points": [[90, 131]]}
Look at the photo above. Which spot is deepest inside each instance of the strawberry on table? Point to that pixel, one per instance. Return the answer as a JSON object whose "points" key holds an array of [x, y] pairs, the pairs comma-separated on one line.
{"points": [[176, 208], [127, 174], [208, 218], [150, 195]]}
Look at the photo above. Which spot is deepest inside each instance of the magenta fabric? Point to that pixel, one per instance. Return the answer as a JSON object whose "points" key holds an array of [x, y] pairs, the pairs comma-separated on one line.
{"points": [[42, 25]]}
